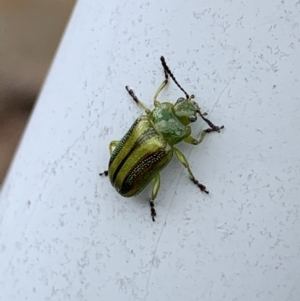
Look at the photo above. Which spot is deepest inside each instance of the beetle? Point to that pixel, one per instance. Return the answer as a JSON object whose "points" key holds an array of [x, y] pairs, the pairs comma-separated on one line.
{"points": [[148, 145]]}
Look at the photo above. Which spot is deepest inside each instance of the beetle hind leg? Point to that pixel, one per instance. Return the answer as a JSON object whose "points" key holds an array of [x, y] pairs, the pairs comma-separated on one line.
{"points": [[200, 185], [155, 188], [153, 211], [180, 156], [104, 173]]}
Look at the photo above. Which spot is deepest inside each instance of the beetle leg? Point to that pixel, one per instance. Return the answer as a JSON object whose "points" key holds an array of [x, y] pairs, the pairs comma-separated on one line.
{"points": [[192, 140], [138, 102], [104, 173], [160, 88], [180, 156], [112, 146], [164, 83], [155, 189], [213, 128]]}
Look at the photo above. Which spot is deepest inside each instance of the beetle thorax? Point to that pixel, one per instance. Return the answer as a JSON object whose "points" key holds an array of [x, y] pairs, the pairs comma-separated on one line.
{"points": [[168, 124]]}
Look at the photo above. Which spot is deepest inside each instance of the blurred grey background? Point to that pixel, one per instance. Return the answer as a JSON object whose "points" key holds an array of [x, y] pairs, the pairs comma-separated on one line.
{"points": [[30, 31]]}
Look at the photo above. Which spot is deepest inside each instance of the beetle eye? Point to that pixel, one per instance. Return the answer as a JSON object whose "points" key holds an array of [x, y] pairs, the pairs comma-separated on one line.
{"points": [[181, 99], [193, 118]]}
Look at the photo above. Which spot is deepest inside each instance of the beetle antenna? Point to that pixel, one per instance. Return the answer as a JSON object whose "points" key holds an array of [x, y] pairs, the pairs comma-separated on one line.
{"points": [[167, 69]]}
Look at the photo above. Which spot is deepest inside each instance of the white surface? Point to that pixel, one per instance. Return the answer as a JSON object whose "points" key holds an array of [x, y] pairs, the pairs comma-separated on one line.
{"points": [[65, 232]]}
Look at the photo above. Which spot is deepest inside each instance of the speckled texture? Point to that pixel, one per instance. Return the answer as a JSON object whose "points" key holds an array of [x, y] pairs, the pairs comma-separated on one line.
{"points": [[66, 234]]}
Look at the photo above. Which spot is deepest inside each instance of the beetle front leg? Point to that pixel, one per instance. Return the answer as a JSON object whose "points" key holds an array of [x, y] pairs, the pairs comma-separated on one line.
{"points": [[160, 88], [138, 102], [192, 140], [156, 102], [155, 188], [112, 146], [180, 156], [213, 128]]}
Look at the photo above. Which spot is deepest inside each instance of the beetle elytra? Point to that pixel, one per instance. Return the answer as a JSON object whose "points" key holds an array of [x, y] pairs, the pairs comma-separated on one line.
{"points": [[148, 146]]}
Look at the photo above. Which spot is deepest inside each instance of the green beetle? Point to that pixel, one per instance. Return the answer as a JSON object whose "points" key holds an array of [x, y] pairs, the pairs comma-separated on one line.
{"points": [[148, 146]]}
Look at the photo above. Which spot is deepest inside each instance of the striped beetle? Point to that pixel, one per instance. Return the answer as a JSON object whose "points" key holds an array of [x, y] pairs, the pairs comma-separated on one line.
{"points": [[148, 146]]}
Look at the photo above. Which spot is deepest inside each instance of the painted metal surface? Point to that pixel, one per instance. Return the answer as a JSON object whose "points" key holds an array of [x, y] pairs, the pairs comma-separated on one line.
{"points": [[65, 234]]}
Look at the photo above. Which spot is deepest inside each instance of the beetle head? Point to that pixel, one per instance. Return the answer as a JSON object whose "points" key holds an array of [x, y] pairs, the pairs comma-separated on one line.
{"points": [[186, 110]]}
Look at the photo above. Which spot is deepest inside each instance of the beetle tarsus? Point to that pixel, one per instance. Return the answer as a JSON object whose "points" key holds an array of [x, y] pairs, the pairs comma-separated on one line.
{"points": [[213, 128], [201, 186], [153, 212], [131, 93], [104, 173]]}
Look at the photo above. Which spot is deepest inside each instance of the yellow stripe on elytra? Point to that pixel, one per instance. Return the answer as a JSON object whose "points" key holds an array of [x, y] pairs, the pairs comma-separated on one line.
{"points": [[138, 153], [123, 149]]}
